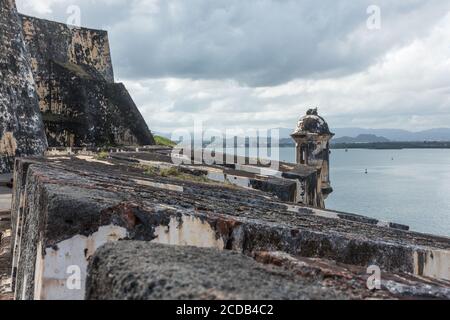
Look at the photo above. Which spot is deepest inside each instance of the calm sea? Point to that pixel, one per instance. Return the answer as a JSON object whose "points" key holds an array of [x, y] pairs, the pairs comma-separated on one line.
{"points": [[409, 186]]}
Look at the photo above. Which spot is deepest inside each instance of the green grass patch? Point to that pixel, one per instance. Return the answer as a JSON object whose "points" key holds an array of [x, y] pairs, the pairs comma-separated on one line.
{"points": [[161, 141], [175, 173], [170, 172], [102, 155]]}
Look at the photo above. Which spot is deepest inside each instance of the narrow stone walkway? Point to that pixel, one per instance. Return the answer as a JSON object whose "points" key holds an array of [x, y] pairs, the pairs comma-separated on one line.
{"points": [[5, 255], [5, 192], [5, 238]]}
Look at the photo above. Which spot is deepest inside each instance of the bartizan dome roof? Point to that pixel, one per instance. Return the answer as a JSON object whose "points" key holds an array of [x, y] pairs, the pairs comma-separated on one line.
{"points": [[312, 123]]}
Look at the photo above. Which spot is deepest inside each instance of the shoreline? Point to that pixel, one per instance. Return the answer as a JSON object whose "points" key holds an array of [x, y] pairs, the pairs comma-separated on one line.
{"points": [[387, 145]]}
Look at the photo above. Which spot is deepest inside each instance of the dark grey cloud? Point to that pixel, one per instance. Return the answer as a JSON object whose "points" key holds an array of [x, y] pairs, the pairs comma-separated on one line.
{"points": [[262, 63], [257, 43]]}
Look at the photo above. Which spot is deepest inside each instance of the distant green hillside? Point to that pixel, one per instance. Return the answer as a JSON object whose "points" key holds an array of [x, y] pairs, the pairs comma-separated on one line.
{"points": [[161, 141]]}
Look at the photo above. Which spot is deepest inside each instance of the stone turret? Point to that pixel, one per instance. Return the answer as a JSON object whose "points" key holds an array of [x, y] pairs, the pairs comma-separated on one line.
{"points": [[312, 137]]}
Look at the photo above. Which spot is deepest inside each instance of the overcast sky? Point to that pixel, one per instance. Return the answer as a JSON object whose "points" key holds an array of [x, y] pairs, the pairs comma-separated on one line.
{"points": [[262, 63]]}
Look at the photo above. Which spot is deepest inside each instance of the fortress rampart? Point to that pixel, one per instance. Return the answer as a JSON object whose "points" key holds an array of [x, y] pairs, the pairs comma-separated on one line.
{"points": [[121, 221]]}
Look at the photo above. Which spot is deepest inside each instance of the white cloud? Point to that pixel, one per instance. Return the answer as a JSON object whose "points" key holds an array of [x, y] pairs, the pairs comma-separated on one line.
{"points": [[408, 88], [37, 6], [262, 63]]}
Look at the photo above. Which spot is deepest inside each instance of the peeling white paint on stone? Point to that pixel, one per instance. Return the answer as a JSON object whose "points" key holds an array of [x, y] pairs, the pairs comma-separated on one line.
{"points": [[92, 159], [259, 170], [243, 182], [435, 265], [328, 214], [60, 158], [164, 186], [219, 176], [50, 282], [7, 233], [216, 175], [189, 231], [383, 224], [157, 164], [313, 211]]}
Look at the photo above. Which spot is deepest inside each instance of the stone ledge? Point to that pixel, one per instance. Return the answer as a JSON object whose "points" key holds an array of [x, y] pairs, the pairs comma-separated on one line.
{"points": [[73, 203], [130, 270], [142, 271]]}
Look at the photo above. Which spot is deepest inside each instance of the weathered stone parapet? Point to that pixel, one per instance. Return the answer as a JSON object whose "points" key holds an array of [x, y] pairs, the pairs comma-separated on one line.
{"points": [[21, 127], [130, 270], [68, 203], [293, 183], [142, 271]]}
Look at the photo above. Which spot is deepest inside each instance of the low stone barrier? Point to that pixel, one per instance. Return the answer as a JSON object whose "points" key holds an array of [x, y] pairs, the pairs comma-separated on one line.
{"points": [[66, 208], [136, 270]]}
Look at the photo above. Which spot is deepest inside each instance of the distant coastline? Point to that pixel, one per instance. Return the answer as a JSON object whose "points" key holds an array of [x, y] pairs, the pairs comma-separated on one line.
{"points": [[369, 141], [394, 145]]}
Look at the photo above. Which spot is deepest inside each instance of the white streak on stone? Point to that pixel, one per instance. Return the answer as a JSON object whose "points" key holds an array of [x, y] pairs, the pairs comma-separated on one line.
{"points": [[157, 185], [189, 231], [243, 182], [92, 159], [435, 265], [259, 171], [51, 270]]}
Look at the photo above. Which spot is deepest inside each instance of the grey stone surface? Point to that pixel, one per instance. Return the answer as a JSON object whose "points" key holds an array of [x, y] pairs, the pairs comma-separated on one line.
{"points": [[352, 280], [21, 127], [5, 255], [284, 189], [81, 104], [48, 40], [130, 270], [142, 271], [5, 198], [57, 199]]}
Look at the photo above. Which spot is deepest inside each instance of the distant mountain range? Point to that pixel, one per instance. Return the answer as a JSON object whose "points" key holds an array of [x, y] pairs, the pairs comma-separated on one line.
{"points": [[360, 135], [438, 134], [362, 138]]}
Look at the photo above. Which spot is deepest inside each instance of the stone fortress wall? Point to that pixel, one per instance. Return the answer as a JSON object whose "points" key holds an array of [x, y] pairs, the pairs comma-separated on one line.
{"points": [[65, 73], [21, 127], [66, 209], [225, 228], [83, 47], [80, 103]]}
